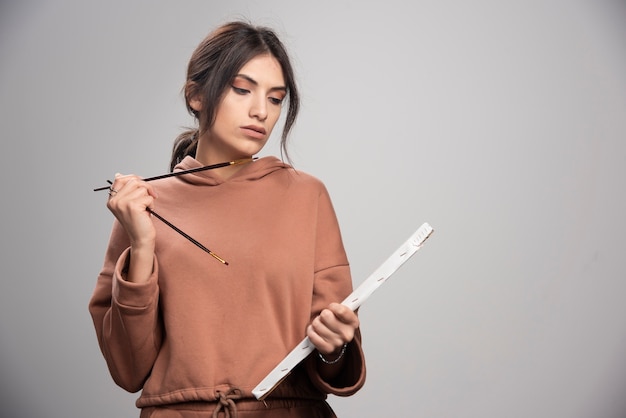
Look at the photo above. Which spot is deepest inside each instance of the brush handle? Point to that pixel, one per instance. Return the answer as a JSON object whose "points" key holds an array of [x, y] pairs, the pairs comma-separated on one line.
{"points": [[185, 235], [191, 170]]}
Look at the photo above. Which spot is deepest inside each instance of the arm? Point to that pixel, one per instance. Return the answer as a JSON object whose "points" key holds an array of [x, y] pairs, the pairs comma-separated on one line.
{"points": [[331, 332], [333, 324], [124, 305], [126, 319]]}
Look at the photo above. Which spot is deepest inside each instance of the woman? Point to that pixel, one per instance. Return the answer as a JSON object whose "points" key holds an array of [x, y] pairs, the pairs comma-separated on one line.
{"points": [[197, 333]]}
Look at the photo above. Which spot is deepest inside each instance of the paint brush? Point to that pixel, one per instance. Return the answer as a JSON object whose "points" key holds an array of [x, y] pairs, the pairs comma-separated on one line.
{"points": [[196, 243], [191, 170], [180, 173]]}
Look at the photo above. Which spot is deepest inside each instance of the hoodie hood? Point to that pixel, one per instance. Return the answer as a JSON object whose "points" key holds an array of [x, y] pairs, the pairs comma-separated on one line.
{"points": [[253, 170]]}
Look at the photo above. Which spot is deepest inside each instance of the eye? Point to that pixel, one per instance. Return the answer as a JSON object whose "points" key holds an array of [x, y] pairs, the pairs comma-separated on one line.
{"points": [[276, 100], [239, 90]]}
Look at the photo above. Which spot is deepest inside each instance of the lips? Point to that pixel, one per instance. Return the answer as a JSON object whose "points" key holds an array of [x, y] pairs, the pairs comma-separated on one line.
{"points": [[254, 131]]}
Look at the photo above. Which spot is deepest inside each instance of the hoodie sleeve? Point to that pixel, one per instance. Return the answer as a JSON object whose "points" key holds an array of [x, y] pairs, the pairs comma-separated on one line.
{"points": [[333, 283], [126, 316]]}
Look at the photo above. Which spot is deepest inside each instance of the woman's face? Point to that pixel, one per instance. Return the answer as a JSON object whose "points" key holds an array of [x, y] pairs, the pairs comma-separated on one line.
{"points": [[248, 111]]}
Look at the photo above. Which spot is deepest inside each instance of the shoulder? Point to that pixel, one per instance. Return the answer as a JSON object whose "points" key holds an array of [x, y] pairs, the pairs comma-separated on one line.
{"points": [[305, 180]]}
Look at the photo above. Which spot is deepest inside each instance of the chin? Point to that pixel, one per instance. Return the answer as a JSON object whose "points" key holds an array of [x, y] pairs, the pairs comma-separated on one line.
{"points": [[253, 149]]}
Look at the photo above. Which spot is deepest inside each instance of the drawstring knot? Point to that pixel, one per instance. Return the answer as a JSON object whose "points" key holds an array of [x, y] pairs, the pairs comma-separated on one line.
{"points": [[226, 402]]}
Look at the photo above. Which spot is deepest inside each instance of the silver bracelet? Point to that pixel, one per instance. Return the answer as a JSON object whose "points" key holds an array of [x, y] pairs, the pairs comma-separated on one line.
{"points": [[343, 351]]}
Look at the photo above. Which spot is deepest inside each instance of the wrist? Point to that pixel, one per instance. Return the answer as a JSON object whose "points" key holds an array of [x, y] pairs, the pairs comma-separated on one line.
{"points": [[142, 248], [335, 357], [140, 264]]}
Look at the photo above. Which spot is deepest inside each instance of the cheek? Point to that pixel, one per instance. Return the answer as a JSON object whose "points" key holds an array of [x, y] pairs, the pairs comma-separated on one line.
{"points": [[224, 115], [273, 118]]}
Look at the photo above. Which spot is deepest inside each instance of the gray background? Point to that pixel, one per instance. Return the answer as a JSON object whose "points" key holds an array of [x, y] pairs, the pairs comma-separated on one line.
{"points": [[501, 123]]}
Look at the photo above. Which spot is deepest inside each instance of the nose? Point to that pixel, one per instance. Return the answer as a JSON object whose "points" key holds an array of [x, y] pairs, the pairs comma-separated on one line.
{"points": [[258, 109]]}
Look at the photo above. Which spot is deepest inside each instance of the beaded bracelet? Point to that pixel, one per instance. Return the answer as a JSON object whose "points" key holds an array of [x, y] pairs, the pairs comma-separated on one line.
{"points": [[343, 351]]}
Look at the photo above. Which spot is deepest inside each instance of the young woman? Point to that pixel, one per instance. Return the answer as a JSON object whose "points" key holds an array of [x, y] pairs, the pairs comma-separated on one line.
{"points": [[197, 333]]}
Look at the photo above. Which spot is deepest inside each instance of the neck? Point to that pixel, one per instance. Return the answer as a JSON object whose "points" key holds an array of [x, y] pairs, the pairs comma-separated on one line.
{"points": [[207, 156]]}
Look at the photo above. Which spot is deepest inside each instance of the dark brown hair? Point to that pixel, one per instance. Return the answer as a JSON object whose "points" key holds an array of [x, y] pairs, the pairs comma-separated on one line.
{"points": [[213, 66]]}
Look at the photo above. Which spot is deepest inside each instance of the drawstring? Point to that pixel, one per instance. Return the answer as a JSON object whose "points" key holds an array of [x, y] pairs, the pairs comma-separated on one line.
{"points": [[226, 401]]}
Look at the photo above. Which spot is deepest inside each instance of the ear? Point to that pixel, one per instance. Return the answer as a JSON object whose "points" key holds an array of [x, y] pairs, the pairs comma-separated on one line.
{"points": [[195, 103], [193, 97]]}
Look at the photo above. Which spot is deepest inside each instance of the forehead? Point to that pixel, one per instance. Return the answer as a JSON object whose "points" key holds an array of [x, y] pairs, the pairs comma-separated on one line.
{"points": [[265, 70]]}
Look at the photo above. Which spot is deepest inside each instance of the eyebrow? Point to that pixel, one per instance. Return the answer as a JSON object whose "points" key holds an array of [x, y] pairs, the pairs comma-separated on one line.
{"points": [[253, 81]]}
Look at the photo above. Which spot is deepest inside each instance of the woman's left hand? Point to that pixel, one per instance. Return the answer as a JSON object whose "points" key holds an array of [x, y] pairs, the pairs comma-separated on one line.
{"points": [[333, 327]]}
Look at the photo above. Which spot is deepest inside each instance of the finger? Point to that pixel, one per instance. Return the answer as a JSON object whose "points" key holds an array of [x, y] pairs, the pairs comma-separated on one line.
{"points": [[114, 188], [321, 329], [133, 196], [131, 201], [333, 331], [129, 184], [344, 314], [118, 183], [323, 344], [132, 181]]}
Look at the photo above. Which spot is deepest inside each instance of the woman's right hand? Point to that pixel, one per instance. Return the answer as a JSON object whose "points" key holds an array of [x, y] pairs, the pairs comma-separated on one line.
{"points": [[129, 199]]}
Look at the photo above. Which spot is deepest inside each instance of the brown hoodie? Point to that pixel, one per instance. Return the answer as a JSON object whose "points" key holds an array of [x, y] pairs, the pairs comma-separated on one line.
{"points": [[199, 327]]}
